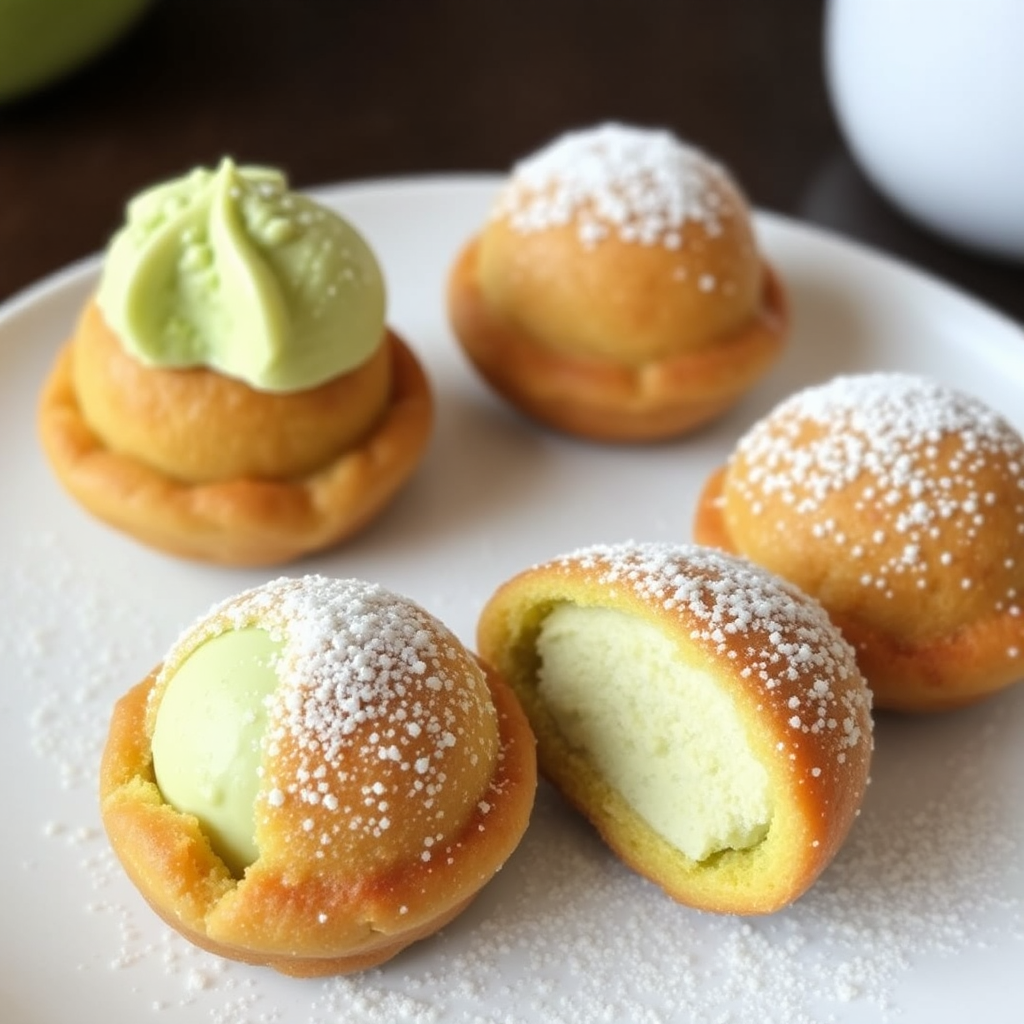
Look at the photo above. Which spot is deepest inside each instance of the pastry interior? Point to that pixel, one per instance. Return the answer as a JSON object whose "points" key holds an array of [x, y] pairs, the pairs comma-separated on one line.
{"points": [[617, 291], [393, 777], [899, 503], [704, 715]]}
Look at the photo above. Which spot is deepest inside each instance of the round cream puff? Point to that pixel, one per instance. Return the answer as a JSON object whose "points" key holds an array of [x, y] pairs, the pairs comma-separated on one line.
{"points": [[899, 503], [231, 392], [317, 775], [617, 291]]}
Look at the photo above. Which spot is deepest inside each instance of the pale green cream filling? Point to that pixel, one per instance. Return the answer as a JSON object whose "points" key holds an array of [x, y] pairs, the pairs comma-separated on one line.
{"points": [[230, 270], [661, 732], [207, 735]]}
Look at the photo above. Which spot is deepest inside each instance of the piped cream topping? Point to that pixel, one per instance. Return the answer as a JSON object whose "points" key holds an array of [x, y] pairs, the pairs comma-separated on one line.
{"points": [[230, 270]]}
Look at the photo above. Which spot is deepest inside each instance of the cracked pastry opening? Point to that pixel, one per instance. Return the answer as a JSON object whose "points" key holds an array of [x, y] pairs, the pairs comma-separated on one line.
{"points": [[318, 774], [208, 734]]}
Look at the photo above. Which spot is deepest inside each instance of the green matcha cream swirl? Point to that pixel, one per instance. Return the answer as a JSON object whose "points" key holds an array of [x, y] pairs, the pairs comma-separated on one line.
{"points": [[230, 270]]}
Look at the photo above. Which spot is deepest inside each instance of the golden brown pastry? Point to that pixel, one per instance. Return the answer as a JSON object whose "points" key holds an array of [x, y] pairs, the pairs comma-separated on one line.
{"points": [[899, 503], [199, 417], [705, 715], [317, 775], [617, 292], [232, 393]]}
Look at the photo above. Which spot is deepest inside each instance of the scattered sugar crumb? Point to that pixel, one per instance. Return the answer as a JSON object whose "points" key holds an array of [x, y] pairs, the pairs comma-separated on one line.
{"points": [[564, 934]]}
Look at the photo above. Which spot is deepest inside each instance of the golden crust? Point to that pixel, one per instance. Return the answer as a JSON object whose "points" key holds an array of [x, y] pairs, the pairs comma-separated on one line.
{"points": [[817, 777], [622, 299], [286, 913], [606, 398], [200, 426], [897, 502], [914, 661], [244, 520]]}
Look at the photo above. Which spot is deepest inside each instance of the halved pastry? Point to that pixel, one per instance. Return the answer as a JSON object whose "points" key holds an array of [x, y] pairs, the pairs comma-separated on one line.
{"points": [[702, 713]]}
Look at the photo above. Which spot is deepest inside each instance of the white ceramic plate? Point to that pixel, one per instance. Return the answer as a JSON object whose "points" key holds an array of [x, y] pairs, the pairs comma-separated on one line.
{"points": [[919, 919]]}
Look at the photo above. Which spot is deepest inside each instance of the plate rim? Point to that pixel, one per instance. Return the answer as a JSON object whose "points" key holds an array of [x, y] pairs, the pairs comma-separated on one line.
{"points": [[79, 269], [52, 287]]}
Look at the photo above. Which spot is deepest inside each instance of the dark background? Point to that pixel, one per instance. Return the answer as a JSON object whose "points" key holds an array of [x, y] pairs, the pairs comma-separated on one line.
{"points": [[336, 90]]}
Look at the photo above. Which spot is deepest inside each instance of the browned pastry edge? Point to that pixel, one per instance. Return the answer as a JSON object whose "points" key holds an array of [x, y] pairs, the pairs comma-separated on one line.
{"points": [[606, 401], [300, 924], [943, 673], [241, 522], [816, 796]]}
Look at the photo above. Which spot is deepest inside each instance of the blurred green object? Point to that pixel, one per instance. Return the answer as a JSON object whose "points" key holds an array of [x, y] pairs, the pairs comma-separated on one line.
{"points": [[43, 40]]}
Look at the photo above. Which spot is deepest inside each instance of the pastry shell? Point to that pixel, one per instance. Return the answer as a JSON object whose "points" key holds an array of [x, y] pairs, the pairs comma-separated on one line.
{"points": [[284, 913], [910, 542], [249, 519], [607, 399], [817, 759]]}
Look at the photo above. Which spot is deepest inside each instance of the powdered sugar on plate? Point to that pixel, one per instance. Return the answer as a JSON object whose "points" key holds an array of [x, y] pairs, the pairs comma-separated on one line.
{"points": [[565, 934], [918, 920]]}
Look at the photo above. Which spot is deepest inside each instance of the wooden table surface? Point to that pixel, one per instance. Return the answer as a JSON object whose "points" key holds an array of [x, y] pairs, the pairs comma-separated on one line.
{"points": [[337, 90]]}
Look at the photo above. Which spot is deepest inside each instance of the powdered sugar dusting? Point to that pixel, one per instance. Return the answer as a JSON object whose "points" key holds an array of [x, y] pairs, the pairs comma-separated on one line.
{"points": [[928, 887], [373, 690], [889, 901], [638, 185], [740, 611], [928, 467]]}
